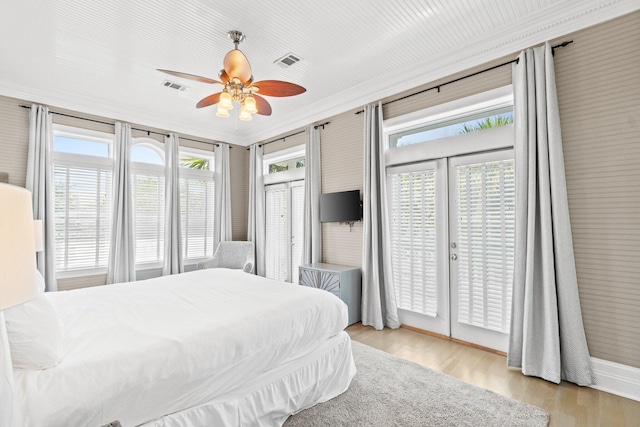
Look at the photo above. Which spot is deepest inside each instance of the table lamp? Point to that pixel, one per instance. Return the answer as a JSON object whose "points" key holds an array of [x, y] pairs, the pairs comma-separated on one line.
{"points": [[17, 276]]}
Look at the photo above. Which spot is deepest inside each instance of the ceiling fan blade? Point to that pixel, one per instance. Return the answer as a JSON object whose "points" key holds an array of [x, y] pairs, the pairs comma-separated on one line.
{"points": [[262, 105], [278, 88], [189, 76], [237, 65], [224, 76], [209, 100]]}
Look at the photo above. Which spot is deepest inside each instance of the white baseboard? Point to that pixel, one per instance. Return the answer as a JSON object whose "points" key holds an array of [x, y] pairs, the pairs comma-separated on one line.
{"points": [[616, 378]]}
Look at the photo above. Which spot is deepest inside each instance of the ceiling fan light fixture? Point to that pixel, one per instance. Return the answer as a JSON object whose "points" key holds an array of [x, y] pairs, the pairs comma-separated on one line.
{"points": [[250, 104], [226, 101], [245, 115], [221, 112], [239, 85]]}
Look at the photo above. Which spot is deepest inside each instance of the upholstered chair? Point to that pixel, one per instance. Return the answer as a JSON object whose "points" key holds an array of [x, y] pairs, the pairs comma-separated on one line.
{"points": [[232, 254]]}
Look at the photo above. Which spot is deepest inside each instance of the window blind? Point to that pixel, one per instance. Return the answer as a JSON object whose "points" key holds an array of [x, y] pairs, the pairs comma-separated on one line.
{"points": [[413, 238], [276, 239], [82, 215], [197, 197], [485, 216], [148, 211]]}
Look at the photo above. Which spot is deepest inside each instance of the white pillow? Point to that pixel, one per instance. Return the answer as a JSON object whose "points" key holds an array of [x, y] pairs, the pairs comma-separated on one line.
{"points": [[35, 334]]}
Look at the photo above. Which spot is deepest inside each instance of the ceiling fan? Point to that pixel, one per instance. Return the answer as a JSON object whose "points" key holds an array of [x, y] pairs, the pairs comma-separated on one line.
{"points": [[239, 87]]}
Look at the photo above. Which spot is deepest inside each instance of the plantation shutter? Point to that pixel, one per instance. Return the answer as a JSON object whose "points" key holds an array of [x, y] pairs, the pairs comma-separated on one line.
{"points": [[148, 202], [82, 215], [485, 220], [297, 227], [197, 197], [412, 195], [276, 232]]}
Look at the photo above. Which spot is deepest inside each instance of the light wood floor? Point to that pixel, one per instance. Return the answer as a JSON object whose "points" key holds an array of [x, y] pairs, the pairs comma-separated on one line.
{"points": [[567, 404]]}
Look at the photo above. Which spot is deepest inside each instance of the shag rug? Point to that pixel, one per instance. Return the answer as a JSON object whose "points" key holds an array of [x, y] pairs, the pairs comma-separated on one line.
{"points": [[389, 391]]}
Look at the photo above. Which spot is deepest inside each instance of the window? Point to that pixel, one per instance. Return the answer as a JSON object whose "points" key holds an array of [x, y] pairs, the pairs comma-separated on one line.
{"points": [[82, 174], [285, 165], [284, 213], [197, 198], [461, 125], [147, 182]]}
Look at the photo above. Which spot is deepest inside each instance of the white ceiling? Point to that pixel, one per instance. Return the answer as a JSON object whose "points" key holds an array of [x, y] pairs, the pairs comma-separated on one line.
{"points": [[100, 56]]}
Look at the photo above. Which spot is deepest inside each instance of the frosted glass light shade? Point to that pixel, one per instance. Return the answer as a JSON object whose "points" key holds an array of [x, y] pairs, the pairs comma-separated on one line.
{"points": [[17, 247], [221, 112], [245, 115], [250, 104], [225, 101]]}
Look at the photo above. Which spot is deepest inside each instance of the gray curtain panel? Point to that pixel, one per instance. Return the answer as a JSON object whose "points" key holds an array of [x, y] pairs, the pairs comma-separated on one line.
{"points": [[40, 183], [122, 263], [378, 297], [547, 337], [256, 232], [312, 239], [172, 231], [222, 207]]}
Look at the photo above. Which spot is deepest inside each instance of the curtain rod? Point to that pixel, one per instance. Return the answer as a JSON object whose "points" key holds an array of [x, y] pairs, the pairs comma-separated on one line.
{"points": [[553, 48], [97, 121], [202, 142], [321, 125], [113, 124]]}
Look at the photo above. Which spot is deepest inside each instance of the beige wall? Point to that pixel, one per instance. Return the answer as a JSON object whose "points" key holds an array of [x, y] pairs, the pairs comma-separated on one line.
{"points": [[598, 81]]}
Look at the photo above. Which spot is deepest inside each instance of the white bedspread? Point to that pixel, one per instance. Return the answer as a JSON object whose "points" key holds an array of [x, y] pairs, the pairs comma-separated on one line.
{"points": [[137, 351]]}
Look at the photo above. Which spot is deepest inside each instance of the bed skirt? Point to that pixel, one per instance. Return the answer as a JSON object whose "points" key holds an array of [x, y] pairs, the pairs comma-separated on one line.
{"points": [[272, 397]]}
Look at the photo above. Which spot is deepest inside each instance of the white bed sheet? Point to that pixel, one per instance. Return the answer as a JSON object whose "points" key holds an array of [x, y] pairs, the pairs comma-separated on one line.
{"points": [[137, 351]]}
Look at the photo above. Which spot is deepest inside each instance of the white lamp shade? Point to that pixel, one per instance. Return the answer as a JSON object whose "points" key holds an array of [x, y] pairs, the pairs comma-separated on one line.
{"points": [[37, 235], [17, 247]]}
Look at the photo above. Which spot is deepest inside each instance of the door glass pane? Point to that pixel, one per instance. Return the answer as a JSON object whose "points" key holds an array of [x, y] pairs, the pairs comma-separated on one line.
{"points": [[276, 252], [485, 219], [413, 239]]}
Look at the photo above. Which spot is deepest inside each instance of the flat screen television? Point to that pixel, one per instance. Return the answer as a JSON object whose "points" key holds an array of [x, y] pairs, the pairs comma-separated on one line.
{"points": [[343, 206]]}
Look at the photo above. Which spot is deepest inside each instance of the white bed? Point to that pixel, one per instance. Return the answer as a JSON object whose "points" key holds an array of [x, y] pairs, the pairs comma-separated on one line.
{"points": [[209, 347]]}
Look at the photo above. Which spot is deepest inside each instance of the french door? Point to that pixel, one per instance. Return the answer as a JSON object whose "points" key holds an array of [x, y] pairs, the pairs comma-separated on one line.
{"points": [[452, 224], [284, 211]]}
